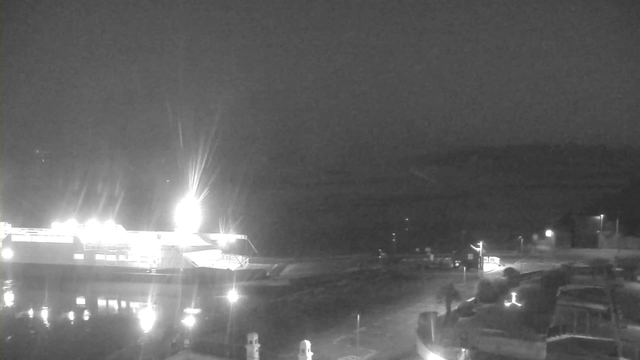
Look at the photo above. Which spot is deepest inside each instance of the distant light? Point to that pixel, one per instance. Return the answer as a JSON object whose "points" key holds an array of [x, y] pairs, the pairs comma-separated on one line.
{"points": [[110, 223], [71, 315], [8, 298], [407, 219], [189, 321], [30, 313], [80, 300], [188, 215], [470, 300], [147, 317], [86, 315], [102, 303], [44, 313], [548, 233], [7, 254], [233, 296]]}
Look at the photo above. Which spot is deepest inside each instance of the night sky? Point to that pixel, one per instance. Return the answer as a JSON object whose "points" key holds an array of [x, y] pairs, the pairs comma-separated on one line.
{"points": [[139, 88]]}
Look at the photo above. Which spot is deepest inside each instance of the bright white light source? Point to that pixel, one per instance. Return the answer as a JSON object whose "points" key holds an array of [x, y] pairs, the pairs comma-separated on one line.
{"points": [[86, 315], [92, 225], [44, 313], [188, 215], [233, 296], [71, 315], [8, 298], [147, 317], [548, 233], [7, 254], [71, 224], [189, 321], [30, 313], [192, 311], [513, 301], [80, 300]]}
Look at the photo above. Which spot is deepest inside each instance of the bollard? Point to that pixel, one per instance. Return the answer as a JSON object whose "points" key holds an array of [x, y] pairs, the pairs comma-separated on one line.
{"points": [[253, 347], [305, 350]]}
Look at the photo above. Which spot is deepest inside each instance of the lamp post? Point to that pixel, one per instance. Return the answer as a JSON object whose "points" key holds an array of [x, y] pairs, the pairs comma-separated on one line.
{"points": [[479, 249], [521, 245], [358, 331], [601, 222]]}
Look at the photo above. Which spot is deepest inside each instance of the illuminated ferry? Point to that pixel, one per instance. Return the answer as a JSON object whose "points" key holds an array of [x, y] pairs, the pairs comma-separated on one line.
{"points": [[109, 246]]}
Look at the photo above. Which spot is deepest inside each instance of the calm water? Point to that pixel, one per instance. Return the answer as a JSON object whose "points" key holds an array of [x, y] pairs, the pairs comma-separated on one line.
{"points": [[72, 319]]}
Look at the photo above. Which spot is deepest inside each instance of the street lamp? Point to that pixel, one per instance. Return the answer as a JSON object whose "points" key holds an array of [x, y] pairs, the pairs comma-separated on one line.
{"points": [[521, 245], [601, 221], [479, 249], [548, 233], [188, 215], [233, 296]]}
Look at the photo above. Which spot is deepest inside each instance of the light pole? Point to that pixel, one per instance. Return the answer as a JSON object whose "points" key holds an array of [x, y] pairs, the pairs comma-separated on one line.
{"points": [[358, 331], [479, 249], [521, 245], [601, 222]]}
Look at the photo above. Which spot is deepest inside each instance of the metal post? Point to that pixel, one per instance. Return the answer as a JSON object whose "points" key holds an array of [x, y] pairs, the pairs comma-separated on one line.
{"points": [[464, 275], [617, 224], [521, 245], [358, 331], [433, 329]]}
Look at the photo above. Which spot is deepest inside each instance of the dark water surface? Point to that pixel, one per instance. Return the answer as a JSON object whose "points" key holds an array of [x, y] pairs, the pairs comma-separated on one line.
{"points": [[62, 318]]}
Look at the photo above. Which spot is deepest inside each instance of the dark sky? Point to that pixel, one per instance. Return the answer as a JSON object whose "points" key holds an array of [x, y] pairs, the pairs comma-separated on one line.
{"points": [[308, 85]]}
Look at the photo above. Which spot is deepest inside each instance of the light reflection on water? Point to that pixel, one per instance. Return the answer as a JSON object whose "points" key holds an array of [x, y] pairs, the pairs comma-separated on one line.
{"points": [[70, 319]]}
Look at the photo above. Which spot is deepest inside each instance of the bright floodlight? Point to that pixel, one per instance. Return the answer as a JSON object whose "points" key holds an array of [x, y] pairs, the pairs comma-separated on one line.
{"points": [[233, 296], [548, 233], [188, 215], [45, 314], [8, 298], [189, 321], [147, 317], [71, 315], [7, 254], [92, 225]]}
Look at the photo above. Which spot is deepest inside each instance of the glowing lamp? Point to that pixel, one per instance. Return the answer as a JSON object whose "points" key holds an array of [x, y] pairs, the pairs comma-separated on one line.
{"points": [[8, 298], [188, 215], [233, 296], [147, 317], [7, 254], [189, 321]]}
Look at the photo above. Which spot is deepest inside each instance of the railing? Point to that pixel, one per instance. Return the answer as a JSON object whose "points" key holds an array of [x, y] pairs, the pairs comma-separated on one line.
{"points": [[581, 323]]}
